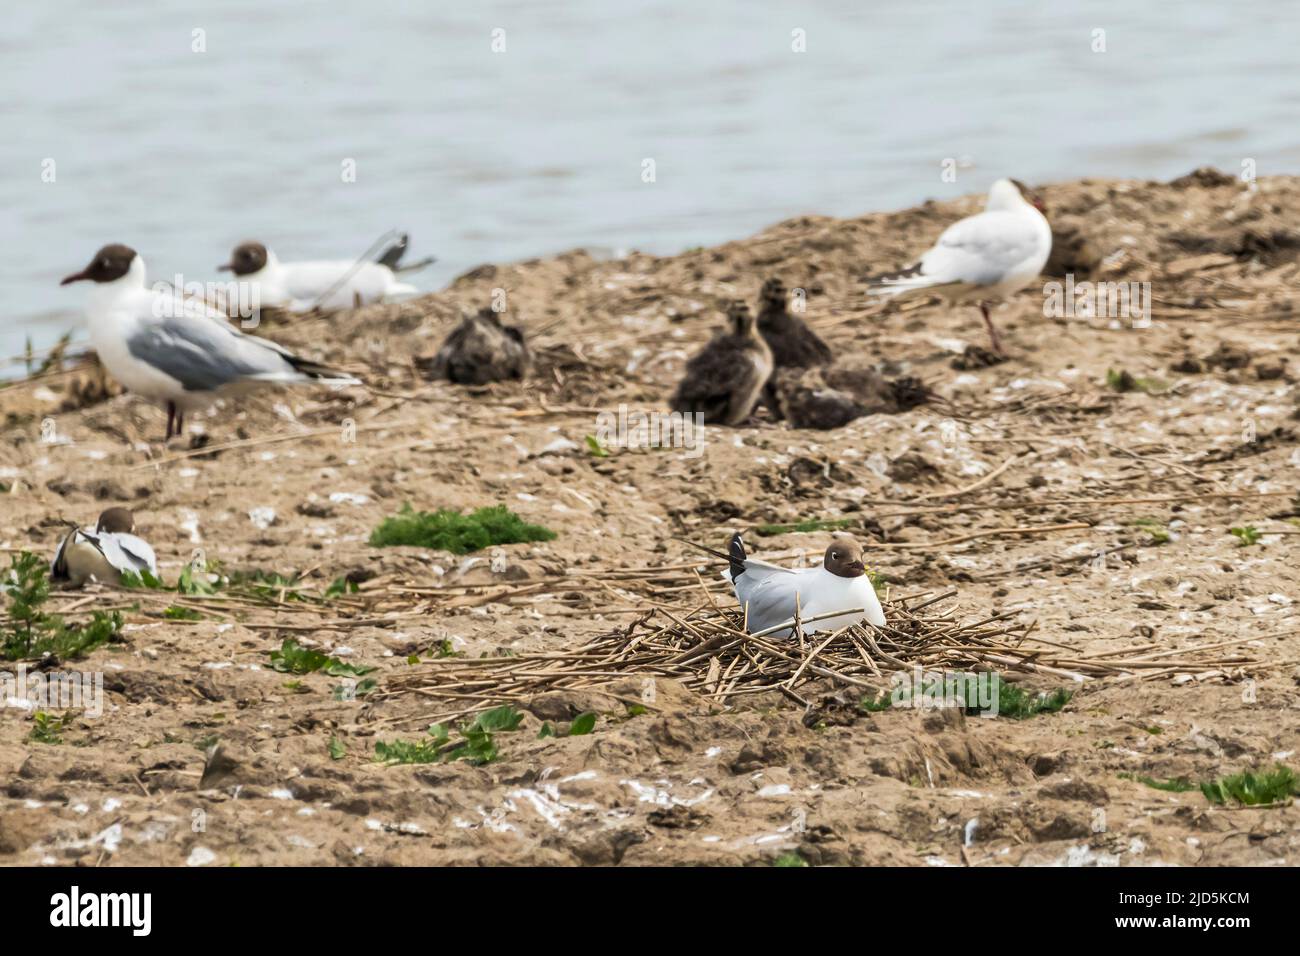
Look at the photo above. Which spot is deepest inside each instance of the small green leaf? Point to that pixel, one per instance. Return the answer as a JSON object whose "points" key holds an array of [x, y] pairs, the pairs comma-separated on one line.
{"points": [[582, 725], [1246, 536]]}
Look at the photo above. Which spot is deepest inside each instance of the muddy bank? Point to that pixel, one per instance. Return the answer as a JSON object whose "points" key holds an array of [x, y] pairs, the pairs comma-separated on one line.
{"points": [[1089, 483]]}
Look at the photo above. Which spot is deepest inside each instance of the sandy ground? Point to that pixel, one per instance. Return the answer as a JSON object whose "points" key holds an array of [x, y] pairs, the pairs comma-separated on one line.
{"points": [[294, 483]]}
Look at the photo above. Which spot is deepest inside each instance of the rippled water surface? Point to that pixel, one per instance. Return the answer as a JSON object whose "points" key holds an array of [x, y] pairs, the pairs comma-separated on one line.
{"points": [[488, 156]]}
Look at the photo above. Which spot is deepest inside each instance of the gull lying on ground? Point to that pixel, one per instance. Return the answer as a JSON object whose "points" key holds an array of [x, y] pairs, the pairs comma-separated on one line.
{"points": [[102, 552], [769, 593], [330, 284]]}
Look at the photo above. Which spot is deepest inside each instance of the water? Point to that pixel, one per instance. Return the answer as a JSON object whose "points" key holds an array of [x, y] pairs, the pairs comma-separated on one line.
{"points": [[490, 157]]}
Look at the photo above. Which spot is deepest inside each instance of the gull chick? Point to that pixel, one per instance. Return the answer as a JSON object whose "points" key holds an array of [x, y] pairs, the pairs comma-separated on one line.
{"points": [[482, 349], [725, 380], [102, 552], [329, 284], [794, 345], [982, 258], [175, 350], [768, 593]]}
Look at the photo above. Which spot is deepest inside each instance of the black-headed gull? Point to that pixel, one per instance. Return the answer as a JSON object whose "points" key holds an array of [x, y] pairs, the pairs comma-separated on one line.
{"points": [[103, 552], [480, 350], [769, 593], [725, 380], [981, 258], [178, 350], [329, 284]]}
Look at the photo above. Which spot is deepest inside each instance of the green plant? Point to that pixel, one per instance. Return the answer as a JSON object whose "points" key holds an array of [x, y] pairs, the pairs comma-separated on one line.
{"points": [[1246, 536], [1253, 789], [878, 582], [1012, 702], [32, 633], [340, 586], [1122, 381], [595, 447], [194, 582], [582, 725], [293, 658], [811, 524], [874, 705], [142, 579], [1173, 785], [338, 750], [47, 728], [1018, 704], [176, 613], [789, 859], [355, 691], [447, 530], [1158, 531], [271, 586], [477, 743]]}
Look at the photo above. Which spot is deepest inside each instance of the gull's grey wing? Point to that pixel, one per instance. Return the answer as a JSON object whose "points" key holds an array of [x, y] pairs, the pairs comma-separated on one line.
{"points": [[770, 599], [981, 249], [203, 354], [126, 552]]}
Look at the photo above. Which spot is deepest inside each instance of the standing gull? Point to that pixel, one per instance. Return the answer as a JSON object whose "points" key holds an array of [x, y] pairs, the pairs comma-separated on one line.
{"points": [[178, 350], [330, 284], [981, 258], [725, 380], [103, 552], [770, 594]]}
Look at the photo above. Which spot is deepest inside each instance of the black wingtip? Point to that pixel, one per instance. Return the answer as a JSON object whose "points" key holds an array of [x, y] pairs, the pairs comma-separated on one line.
{"points": [[736, 555], [393, 254]]}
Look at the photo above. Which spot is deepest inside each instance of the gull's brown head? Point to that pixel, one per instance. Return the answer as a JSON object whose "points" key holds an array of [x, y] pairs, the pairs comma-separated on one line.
{"points": [[247, 258], [111, 262], [116, 521], [844, 557]]}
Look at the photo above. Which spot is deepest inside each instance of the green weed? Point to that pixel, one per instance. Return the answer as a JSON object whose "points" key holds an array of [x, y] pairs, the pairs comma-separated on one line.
{"points": [[447, 530]]}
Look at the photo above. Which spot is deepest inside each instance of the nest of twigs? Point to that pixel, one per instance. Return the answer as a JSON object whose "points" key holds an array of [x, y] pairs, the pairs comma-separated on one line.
{"points": [[708, 651]]}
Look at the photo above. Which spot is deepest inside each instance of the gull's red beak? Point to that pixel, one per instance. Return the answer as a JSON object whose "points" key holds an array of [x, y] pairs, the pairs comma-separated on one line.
{"points": [[225, 267], [75, 277]]}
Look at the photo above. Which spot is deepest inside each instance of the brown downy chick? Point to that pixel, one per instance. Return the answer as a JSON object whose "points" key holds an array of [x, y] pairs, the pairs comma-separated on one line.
{"points": [[794, 345], [480, 350], [825, 398], [725, 380]]}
